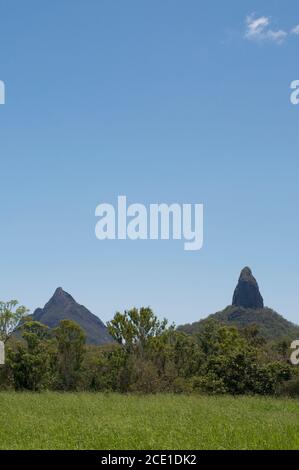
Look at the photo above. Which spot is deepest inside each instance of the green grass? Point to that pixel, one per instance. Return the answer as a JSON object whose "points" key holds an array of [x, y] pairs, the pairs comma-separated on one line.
{"points": [[99, 421]]}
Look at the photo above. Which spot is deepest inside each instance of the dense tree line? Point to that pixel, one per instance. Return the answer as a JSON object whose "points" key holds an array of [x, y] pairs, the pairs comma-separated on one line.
{"points": [[148, 356]]}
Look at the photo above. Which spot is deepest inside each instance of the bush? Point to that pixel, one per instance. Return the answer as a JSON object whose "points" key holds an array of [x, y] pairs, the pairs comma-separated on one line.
{"points": [[144, 377]]}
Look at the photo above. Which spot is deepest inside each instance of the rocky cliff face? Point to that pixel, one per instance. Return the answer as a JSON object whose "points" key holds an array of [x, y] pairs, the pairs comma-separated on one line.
{"points": [[62, 306], [247, 293]]}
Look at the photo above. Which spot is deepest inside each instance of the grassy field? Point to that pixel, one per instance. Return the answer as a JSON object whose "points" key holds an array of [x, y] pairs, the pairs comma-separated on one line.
{"points": [[99, 421]]}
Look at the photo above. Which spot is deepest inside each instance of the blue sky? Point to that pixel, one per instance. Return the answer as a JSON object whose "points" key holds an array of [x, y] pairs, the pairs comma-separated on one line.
{"points": [[163, 101]]}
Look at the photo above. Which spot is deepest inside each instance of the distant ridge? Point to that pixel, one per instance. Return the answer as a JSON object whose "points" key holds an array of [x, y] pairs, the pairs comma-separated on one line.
{"points": [[62, 306], [248, 309]]}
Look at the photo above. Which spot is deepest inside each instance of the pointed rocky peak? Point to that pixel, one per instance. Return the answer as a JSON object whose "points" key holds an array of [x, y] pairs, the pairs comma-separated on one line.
{"points": [[247, 293], [60, 297], [62, 306], [59, 291]]}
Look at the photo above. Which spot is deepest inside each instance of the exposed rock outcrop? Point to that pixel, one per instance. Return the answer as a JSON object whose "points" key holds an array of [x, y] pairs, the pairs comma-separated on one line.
{"points": [[247, 293]]}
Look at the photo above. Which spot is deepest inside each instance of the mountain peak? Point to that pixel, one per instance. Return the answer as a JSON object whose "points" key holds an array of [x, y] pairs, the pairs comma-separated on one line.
{"points": [[247, 293], [59, 291], [60, 294], [60, 299], [246, 272], [62, 306], [248, 309]]}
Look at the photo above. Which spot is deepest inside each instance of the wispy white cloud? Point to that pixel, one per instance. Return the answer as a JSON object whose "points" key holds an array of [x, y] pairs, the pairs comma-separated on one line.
{"points": [[276, 36], [259, 29], [255, 26], [295, 30]]}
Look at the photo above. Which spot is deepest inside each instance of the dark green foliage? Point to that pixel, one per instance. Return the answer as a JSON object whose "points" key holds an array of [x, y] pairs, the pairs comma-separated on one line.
{"points": [[70, 353], [291, 387], [132, 329], [30, 362], [270, 324], [149, 356], [233, 362], [104, 369]]}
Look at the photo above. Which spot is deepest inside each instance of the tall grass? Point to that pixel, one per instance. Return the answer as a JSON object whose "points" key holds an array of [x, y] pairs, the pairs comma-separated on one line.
{"points": [[100, 421]]}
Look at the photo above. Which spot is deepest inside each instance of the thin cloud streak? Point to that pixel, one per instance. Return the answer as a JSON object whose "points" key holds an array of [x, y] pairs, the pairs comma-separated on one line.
{"points": [[295, 30], [258, 29]]}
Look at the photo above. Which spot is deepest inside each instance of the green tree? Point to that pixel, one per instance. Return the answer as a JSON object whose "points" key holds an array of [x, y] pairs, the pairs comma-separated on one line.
{"points": [[10, 318], [30, 362], [133, 329], [137, 330], [70, 354], [105, 368], [176, 356]]}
